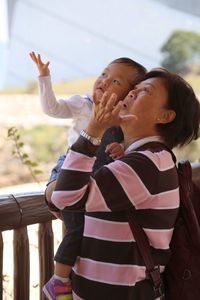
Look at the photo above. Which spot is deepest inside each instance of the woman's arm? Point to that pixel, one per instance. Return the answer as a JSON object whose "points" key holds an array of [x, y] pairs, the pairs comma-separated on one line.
{"points": [[82, 154], [75, 188], [140, 179]]}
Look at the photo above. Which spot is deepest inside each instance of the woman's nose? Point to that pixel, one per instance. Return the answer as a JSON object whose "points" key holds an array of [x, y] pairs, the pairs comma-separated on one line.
{"points": [[132, 93]]}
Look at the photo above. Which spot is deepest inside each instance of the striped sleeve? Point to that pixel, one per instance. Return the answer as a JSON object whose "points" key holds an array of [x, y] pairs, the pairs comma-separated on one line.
{"points": [[143, 179]]}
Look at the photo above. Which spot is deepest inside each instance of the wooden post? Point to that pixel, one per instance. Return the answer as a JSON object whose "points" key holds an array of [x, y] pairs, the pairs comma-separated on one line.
{"points": [[1, 266], [21, 264], [46, 253]]}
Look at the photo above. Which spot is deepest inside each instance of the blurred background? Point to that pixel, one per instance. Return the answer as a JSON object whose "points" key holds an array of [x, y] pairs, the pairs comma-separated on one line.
{"points": [[79, 38]]}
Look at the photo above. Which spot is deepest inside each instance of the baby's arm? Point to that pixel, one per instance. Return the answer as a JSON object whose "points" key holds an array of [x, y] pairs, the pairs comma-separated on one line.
{"points": [[116, 150], [50, 105]]}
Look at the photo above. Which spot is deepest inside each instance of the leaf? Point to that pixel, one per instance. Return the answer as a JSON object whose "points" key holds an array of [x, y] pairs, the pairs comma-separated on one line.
{"points": [[28, 162], [13, 135], [20, 145], [34, 164], [10, 131], [37, 171]]}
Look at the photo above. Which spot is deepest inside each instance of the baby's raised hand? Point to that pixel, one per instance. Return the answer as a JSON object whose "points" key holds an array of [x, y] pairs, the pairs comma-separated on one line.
{"points": [[43, 68], [115, 150]]}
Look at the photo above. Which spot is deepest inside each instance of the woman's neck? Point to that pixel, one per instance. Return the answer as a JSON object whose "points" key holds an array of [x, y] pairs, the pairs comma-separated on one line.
{"points": [[130, 139], [134, 133]]}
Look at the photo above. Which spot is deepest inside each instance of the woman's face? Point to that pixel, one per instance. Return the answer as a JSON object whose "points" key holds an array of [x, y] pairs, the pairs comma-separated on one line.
{"points": [[148, 101]]}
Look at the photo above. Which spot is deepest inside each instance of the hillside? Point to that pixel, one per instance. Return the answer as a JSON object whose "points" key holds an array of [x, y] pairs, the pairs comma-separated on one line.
{"points": [[81, 86]]}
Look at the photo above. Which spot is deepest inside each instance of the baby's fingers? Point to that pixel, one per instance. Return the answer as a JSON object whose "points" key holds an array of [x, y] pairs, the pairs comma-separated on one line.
{"points": [[116, 150], [116, 154], [33, 56], [110, 147], [39, 60]]}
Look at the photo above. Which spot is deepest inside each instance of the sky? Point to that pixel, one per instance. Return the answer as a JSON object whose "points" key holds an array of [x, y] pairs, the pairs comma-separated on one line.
{"points": [[81, 37], [3, 38]]}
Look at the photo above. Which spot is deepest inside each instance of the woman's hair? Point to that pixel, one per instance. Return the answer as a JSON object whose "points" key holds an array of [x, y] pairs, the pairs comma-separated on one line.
{"points": [[141, 70], [181, 98]]}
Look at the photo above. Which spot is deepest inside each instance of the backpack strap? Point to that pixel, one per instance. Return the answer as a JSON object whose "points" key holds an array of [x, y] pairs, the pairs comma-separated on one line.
{"points": [[187, 210], [152, 272]]}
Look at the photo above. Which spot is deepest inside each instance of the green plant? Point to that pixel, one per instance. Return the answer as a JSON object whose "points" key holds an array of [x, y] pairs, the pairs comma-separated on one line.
{"points": [[181, 50], [18, 152], [46, 142]]}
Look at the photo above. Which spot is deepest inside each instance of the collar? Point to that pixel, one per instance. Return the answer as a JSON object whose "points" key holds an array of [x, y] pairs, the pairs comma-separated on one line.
{"points": [[141, 142], [89, 98]]}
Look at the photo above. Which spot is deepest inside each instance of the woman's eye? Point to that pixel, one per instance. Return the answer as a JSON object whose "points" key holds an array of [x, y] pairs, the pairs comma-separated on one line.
{"points": [[147, 90]]}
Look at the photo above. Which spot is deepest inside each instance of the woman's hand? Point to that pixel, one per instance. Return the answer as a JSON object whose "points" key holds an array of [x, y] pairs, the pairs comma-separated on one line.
{"points": [[43, 68], [105, 114], [106, 111]]}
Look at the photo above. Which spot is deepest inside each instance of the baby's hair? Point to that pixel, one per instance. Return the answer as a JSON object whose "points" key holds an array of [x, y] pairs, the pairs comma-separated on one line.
{"points": [[141, 70]]}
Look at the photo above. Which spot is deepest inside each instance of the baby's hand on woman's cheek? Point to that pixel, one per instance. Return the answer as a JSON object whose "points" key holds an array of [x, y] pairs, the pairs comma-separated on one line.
{"points": [[115, 150]]}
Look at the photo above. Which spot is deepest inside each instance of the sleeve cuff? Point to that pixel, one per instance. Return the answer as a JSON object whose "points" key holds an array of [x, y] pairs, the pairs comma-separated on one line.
{"points": [[85, 147]]}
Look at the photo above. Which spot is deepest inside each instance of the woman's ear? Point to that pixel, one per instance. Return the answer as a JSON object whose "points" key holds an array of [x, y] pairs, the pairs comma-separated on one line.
{"points": [[167, 116]]}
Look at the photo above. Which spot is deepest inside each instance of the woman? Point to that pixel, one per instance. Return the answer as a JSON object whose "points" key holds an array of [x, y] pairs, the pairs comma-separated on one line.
{"points": [[160, 109]]}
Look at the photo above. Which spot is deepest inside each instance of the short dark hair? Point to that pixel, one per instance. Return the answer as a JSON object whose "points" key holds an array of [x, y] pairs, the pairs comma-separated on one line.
{"points": [[182, 99], [141, 70]]}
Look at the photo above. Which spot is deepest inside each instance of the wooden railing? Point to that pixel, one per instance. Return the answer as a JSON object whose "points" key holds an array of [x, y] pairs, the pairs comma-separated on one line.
{"points": [[16, 213]]}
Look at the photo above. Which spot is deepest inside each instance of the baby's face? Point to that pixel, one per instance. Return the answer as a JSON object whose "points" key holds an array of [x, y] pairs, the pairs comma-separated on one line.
{"points": [[116, 78]]}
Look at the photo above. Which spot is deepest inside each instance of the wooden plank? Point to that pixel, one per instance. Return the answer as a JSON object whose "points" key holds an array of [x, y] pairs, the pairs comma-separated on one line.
{"points": [[46, 253], [21, 264], [23, 209], [1, 266]]}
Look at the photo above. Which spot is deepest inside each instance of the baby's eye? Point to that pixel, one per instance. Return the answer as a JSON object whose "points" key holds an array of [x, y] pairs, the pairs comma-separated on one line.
{"points": [[115, 81], [103, 75]]}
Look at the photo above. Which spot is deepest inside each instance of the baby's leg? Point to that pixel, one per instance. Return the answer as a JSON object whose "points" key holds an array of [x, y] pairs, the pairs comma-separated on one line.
{"points": [[70, 246], [68, 250]]}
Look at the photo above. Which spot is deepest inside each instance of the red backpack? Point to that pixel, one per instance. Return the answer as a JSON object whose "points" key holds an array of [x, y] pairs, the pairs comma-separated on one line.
{"points": [[182, 274], [180, 280]]}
